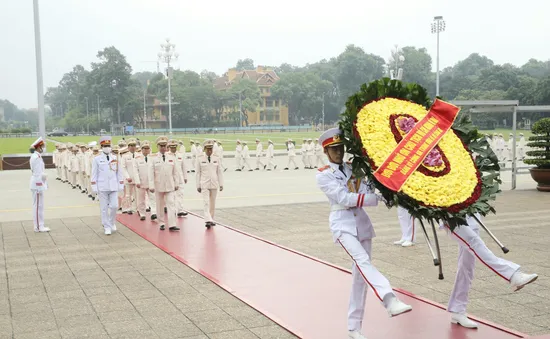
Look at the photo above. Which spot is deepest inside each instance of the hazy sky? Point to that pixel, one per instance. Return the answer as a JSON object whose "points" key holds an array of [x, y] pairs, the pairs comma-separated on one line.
{"points": [[215, 34]]}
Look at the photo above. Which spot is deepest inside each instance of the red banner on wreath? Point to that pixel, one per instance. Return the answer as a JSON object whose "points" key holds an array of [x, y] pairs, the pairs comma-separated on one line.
{"points": [[416, 145]]}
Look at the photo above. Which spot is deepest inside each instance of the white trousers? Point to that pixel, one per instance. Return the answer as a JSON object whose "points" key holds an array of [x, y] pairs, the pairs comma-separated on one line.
{"points": [[259, 162], [108, 204], [238, 160], [246, 164], [58, 171], [209, 200], [166, 199], [64, 175], [179, 200], [145, 199], [83, 181], [305, 160], [291, 160], [38, 209], [363, 274], [407, 223], [130, 200], [271, 163], [472, 246], [311, 160]]}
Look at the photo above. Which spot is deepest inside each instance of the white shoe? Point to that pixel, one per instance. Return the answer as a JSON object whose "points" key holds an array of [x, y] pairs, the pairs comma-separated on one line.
{"points": [[397, 307], [107, 231], [355, 335], [520, 279], [462, 320], [113, 228], [407, 243], [43, 229], [399, 242]]}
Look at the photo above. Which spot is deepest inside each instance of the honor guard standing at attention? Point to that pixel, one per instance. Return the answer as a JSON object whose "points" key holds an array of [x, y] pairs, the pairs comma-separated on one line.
{"points": [[164, 181], [209, 180], [127, 164], [142, 182], [38, 185], [352, 229], [56, 162], [180, 163], [107, 181]]}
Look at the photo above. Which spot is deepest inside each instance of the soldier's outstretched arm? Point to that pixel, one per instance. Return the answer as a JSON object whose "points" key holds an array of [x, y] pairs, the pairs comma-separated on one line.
{"points": [[336, 191]]}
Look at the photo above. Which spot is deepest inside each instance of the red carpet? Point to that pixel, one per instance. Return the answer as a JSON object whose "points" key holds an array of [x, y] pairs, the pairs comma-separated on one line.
{"points": [[302, 294]]}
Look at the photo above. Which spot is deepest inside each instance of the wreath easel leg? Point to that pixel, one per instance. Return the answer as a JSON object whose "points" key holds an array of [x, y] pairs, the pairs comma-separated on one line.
{"points": [[438, 250]]}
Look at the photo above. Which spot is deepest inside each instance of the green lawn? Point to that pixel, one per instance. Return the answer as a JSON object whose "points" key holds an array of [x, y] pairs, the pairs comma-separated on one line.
{"points": [[21, 145]]}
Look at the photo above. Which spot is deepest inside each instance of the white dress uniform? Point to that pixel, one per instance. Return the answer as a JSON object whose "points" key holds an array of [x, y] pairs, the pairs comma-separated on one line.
{"points": [[318, 150], [521, 147], [127, 164], [305, 158], [472, 246], [164, 178], [107, 180], [209, 180], [56, 162], [310, 152], [193, 155], [180, 163], [351, 227], [270, 154], [511, 141], [38, 185], [218, 151], [141, 178], [259, 151], [238, 155], [291, 148], [246, 156]]}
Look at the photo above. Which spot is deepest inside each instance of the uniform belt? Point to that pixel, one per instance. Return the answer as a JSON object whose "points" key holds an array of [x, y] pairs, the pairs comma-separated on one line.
{"points": [[338, 208]]}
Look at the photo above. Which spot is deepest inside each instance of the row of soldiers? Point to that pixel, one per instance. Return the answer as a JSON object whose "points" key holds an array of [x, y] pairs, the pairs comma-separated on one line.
{"points": [[140, 178], [504, 150]]}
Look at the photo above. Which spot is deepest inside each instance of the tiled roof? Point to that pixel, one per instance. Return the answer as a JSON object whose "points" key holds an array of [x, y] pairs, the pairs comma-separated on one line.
{"points": [[261, 77]]}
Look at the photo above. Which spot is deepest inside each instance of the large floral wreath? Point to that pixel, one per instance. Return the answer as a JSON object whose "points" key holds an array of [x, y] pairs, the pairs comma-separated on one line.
{"points": [[450, 183]]}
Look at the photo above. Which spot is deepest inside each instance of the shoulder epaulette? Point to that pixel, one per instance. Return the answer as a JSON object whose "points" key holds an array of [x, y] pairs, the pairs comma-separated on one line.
{"points": [[321, 169]]}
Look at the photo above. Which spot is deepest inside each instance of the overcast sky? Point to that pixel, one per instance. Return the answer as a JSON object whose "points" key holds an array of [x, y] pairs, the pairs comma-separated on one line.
{"points": [[213, 35]]}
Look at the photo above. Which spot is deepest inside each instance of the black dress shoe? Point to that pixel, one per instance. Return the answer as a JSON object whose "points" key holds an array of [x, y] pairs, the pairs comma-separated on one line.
{"points": [[165, 210], [130, 212], [182, 214], [153, 216], [174, 228], [162, 227], [142, 217], [148, 210]]}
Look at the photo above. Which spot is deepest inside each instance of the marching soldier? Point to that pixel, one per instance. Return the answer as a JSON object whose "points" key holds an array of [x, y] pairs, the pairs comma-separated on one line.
{"points": [[270, 154], [74, 167], [209, 180], [291, 148], [38, 185], [141, 172], [64, 163], [119, 151], [164, 181], [318, 150], [193, 155], [94, 153], [352, 229], [82, 158], [259, 151], [127, 164], [305, 158], [239, 156], [107, 181], [245, 156], [180, 163], [218, 151], [310, 152]]}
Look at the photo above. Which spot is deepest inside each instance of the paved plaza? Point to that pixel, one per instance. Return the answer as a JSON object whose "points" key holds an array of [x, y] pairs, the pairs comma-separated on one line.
{"points": [[75, 282]]}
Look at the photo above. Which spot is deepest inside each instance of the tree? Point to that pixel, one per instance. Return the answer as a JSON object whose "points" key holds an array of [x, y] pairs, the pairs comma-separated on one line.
{"points": [[245, 64], [247, 96]]}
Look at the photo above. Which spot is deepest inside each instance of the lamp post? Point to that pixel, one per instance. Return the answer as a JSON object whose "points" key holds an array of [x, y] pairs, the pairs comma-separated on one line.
{"points": [[166, 55], [39, 78], [438, 25], [87, 116]]}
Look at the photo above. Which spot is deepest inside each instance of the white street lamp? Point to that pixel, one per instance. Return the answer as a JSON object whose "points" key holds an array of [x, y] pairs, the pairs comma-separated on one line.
{"points": [[166, 55], [438, 25], [397, 73]]}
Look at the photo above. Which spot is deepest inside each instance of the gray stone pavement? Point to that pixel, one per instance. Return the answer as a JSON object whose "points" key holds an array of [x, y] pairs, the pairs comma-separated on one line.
{"points": [[78, 283], [522, 224]]}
